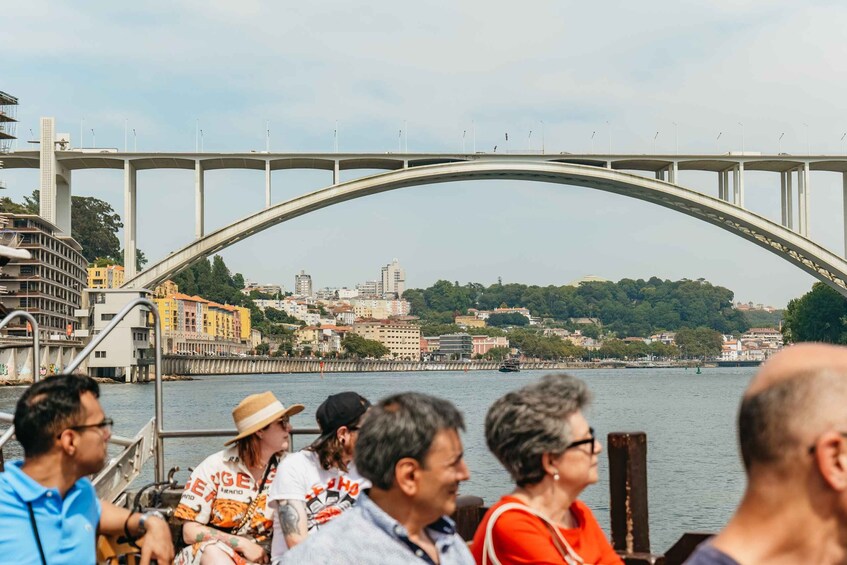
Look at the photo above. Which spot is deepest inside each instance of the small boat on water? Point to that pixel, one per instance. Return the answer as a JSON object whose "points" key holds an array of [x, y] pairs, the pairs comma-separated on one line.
{"points": [[511, 365]]}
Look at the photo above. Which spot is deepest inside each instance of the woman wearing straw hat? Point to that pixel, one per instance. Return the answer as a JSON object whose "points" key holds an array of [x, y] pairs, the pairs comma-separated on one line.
{"points": [[224, 507]]}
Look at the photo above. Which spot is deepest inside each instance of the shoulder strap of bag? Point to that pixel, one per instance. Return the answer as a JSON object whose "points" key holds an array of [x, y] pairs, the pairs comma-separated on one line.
{"points": [[272, 463], [568, 554], [35, 531]]}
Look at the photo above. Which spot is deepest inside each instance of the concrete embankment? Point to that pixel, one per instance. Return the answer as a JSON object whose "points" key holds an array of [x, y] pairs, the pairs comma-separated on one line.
{"points": [[179, 365]]}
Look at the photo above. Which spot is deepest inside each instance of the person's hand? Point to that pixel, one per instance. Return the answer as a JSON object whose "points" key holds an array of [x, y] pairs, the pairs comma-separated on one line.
{"points": [[157, 543], [252, 551]]}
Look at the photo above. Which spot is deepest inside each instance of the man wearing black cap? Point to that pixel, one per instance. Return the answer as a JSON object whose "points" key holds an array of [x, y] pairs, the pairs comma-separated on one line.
{"points": [[315, 485]]}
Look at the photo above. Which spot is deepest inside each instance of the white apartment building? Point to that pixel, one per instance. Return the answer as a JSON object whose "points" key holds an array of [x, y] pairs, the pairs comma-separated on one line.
{"points": [[379, 308], [127, 353], [369, 289], [303, 284], [393, 279], [49, 285]]}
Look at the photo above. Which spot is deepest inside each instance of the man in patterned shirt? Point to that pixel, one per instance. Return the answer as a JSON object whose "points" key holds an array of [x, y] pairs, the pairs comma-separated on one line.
{"points": [[409, 448]]}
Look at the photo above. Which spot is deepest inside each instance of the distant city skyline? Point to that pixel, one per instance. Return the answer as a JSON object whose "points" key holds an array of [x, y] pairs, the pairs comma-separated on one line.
{"points": [[568, 78]]}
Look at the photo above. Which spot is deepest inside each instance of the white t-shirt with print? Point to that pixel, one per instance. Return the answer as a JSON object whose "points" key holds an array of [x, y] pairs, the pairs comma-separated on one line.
{"points": [[326, 494]]}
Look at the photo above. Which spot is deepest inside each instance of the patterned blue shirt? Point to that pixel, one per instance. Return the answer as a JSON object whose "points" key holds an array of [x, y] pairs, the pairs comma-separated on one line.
{"points": [[67, 526], [366, 534]]}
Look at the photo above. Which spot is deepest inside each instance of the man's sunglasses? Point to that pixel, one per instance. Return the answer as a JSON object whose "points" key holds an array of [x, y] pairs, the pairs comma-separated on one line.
{"points": [[106, 425]]}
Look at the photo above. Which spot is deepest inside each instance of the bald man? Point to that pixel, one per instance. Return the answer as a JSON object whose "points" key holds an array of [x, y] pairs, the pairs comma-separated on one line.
{"points": [[792, 427]]}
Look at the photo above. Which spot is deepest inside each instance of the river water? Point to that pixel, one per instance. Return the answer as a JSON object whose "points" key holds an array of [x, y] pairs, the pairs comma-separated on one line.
{"points": [[694, 472]]}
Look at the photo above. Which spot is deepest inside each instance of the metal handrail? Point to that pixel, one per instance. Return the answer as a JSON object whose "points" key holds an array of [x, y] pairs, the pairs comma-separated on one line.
{"points": [[36, 349], [157, 346], [161, 434]]}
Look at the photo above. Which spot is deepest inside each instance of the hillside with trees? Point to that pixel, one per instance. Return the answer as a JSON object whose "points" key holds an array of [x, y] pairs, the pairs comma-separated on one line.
{"points": [[626, 308]]}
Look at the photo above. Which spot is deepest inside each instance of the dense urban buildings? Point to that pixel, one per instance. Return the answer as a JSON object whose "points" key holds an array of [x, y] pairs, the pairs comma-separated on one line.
{"points": [[403, 339], [393, 279], [192, 325]]}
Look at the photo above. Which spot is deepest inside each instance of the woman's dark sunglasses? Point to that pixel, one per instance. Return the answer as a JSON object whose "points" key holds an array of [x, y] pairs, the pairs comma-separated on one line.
{"points": [[592, 440]]}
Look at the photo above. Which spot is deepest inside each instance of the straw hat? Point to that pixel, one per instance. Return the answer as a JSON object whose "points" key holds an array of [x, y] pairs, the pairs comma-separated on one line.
{"points": [[257, 411]]}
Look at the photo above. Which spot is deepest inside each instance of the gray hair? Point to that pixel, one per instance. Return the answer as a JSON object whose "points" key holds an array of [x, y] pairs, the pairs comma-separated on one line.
{"points": [[402, 425], [531, 421], [775, 422]]}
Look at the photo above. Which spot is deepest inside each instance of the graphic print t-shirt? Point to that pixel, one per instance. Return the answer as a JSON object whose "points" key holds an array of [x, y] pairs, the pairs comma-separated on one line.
{"points": [[326, 494]]}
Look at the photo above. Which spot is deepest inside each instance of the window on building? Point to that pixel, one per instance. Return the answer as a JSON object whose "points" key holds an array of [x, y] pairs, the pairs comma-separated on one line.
{"points": [[106, 317], [99, 354]]}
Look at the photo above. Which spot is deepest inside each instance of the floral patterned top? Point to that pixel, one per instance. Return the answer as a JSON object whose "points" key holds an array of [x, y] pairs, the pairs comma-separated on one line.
{"points": [[220, 492]]}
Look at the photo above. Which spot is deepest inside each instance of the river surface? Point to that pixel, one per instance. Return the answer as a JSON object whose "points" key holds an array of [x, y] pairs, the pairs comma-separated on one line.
{"points": [[694, 472]]}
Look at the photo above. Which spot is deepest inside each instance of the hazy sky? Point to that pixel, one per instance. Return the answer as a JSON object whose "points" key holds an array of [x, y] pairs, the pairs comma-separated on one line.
{"points": [[440, 67]]}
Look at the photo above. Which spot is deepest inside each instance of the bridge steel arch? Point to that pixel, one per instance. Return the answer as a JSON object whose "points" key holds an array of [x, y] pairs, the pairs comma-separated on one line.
{"points": [[787, 244]]}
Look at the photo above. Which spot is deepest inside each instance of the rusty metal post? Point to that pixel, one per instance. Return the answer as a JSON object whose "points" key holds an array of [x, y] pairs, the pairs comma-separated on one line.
{"points": [[628, 489]]}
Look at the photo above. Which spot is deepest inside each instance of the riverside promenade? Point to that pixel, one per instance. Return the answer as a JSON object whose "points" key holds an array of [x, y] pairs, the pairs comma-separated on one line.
{"points": [[188, 366]]}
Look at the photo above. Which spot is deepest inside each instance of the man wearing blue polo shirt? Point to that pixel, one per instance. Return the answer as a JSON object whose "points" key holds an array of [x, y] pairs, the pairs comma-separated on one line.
{"points": [[49, 511]]}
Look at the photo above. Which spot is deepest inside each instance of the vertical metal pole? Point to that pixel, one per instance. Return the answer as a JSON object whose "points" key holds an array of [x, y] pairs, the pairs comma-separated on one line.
{"points": [[628, 490]]}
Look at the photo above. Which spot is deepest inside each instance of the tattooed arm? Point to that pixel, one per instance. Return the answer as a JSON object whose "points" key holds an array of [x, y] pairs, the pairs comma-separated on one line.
{"points": [[292, 521], [194, 532]]}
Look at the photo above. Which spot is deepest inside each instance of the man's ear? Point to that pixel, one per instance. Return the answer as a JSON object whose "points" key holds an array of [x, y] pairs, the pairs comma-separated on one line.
{"points": [[67, 440], [831, 458], [406, 473]]}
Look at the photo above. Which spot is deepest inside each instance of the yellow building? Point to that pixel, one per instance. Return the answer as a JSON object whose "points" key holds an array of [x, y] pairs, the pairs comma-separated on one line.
{"points": [[105, 277], [166, 289], [402, 339]]}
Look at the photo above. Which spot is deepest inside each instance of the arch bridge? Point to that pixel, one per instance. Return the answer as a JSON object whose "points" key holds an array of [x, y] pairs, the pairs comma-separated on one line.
{"points": [[788, 238]]}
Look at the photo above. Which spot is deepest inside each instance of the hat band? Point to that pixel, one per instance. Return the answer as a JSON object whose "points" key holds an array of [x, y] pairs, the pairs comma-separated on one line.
{"points": [[260, 416]]}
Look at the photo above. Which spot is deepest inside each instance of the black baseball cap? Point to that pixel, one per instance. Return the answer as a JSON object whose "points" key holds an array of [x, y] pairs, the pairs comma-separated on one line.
{"points": [[342, 409]]}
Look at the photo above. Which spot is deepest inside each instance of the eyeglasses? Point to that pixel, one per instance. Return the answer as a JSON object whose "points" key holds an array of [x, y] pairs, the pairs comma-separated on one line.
{"points": [[591, 439], [284, 421], [105, 425]]}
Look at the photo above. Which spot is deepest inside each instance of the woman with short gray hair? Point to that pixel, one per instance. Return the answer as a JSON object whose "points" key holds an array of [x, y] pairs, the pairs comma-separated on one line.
{"points": [[541, 437]]}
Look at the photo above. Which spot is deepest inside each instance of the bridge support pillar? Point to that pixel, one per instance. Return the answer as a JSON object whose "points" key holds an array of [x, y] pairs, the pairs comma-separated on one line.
{"points": [[738, 185], [803, 199], [130, 179], [660, 174], [721, 185], [267, 184], [336, 173], [783, 198], [673, 173], [54, 203], [199, 183], [844, 193]]}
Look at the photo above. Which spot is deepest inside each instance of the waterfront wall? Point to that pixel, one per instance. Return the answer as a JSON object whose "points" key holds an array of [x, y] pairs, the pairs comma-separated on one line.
{"points": [[181, 365], [16, 362]]}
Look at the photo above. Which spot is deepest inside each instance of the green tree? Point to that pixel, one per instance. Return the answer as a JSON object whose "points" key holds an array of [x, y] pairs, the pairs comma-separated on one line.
{"points": [[698, 342], [513, 319], [357, 346], [819, 315], [496, 353]]}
